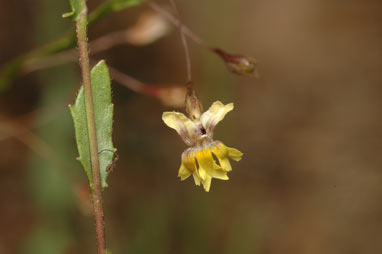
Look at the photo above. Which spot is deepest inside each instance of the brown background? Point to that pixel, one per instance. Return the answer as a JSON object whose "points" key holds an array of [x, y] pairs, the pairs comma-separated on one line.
{"points": [[310, 129]]}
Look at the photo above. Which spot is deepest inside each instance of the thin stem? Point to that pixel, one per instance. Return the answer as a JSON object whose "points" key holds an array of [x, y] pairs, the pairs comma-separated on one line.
{"points": [[127, 81], [176, 22], [101, 44], [184, 42], [81, 26]]}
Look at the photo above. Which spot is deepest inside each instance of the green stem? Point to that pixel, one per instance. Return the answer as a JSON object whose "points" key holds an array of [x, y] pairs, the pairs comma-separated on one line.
{"points": [[81, 25]]}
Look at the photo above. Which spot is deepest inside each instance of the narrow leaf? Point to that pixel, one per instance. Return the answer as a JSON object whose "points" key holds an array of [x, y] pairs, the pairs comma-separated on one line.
{"points": [[103, 110], [77, 7]]}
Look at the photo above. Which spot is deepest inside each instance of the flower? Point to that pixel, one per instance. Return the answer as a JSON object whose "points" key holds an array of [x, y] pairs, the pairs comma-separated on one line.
{"points": [[206, 158]]}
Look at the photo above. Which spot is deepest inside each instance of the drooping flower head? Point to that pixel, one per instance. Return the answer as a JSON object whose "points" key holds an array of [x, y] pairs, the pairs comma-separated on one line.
{"points": [[206, 158]]}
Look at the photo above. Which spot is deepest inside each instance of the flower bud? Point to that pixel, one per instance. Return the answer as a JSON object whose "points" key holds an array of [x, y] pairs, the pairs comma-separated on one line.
{"points": [[193, 106], [241, 65]]}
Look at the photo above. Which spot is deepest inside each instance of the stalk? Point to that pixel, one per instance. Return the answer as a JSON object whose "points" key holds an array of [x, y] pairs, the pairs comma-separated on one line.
{"points": [[81, 30]]}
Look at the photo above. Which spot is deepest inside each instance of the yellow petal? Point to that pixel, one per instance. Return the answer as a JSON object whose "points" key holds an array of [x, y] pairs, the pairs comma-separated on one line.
{"points": [[225, 164], [188, 160], [183, 173], [219, 174], [223, 152], [214, 115], [206, 162], [207, 184], [202, 174], [197, 179], [183, 125], [208, 166], [220, 150], [234, 154]]}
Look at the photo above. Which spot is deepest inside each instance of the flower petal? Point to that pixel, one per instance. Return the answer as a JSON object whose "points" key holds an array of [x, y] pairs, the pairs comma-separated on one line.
{"points": [[219, 174], [208, 168], [223, 152], [214, 115], [202, 174], [205, 161], [188, 160], [186, 129], [197, 179], [207, 184], [183, 173], [225, 164], [234, 154]]}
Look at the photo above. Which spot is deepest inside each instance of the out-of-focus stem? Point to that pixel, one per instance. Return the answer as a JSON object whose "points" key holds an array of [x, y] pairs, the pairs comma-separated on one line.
{"points": [[81, 29], [177, 22], [98, 45], [15, 66], [184, 43]]}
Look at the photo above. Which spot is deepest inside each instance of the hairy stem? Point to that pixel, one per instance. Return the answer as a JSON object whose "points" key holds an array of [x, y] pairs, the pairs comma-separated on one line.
{"points": [[81, 28]]}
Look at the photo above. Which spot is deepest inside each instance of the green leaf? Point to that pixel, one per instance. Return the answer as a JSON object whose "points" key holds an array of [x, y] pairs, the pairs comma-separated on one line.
{"points": [[103, 111], [119, 5], [77, 7]]}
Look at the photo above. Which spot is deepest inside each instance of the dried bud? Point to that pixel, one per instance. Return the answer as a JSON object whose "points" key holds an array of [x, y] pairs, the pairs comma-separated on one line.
{"points": [[241, 65], [193, 106]]}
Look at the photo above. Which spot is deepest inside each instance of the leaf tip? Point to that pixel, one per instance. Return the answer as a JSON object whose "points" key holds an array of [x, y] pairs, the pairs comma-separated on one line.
{"points": [[68, 14]]}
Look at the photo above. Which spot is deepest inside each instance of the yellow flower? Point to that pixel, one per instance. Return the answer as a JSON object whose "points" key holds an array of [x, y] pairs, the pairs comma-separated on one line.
{"points": [[206, 158]]}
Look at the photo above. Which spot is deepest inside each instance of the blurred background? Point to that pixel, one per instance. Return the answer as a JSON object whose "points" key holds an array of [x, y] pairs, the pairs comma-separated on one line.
{"points": [[310, 180]]}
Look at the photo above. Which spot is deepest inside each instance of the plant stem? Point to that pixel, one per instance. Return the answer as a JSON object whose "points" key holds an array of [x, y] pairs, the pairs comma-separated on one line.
{"points": [[187, 31], [184, 43], [81, 25]]}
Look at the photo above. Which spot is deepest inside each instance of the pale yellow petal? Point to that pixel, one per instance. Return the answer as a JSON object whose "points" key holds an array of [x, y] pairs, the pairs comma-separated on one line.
{"points": [[234, 154], [197, 179], [221, 152], [225, 164], [207, 184], [214, 115], [183, 125], [183, 173], [219, 174], [219, 149], [202, 174]]}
